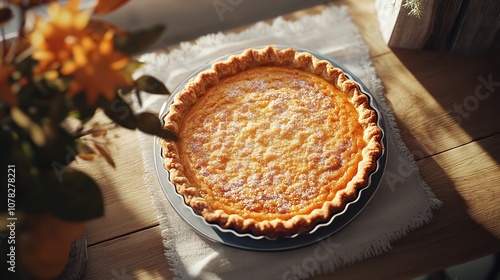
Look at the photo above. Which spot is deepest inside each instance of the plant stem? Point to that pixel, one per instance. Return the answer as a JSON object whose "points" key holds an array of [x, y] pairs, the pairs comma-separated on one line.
{"points": [[4, 45]]}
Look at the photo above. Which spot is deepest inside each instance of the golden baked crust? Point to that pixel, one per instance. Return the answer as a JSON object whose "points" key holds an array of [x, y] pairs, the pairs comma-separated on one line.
{"points": [[271, 142]]}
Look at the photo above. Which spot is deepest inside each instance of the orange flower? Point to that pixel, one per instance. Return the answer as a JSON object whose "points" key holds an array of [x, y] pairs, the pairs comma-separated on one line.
{"points": [[53, 40], [96, 68], [6, 94]]}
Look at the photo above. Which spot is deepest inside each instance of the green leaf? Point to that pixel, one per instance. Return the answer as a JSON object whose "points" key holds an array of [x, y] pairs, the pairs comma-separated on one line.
{"points": [[151, 84], [132, 66], [27, 150], [125, 91], [25, 64], [139, 40], [59, 109], [120, 112], [65, 193], [150, 123], [85, 112], [24, 121], [76, 197], [5, 14], [83, 148], [61, 150]]}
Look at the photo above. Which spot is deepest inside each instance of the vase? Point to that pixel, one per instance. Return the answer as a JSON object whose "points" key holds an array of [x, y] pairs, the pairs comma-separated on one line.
{"points": [[77, 261]]}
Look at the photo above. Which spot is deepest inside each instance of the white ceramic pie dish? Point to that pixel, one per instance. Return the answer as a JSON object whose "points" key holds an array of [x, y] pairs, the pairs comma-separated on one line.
{"points": [[261, 243]]}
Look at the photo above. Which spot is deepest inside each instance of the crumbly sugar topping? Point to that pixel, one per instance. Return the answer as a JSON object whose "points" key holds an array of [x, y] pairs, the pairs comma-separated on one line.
{"points": [[270, 142]]}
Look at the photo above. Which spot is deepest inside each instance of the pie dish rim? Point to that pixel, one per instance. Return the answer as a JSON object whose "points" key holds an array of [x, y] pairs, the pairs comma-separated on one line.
{"points": [[379, 167]]}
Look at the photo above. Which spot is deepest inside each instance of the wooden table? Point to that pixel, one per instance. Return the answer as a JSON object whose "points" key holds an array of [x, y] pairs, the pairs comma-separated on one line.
{"points": [[447, 108]]}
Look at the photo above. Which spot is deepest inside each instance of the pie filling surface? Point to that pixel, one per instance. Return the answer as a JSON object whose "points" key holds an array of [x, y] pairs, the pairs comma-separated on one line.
{"points": [[271, 142]]}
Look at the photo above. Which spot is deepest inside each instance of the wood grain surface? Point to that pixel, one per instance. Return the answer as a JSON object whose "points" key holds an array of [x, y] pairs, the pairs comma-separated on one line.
{"points": [[447, 108]]}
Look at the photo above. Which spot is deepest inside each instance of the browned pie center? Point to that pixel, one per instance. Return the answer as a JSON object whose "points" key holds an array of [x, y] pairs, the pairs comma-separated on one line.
{"points": [[271, 142]]}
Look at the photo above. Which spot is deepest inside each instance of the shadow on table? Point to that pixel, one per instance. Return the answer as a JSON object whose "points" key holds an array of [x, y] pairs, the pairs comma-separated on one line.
{"points": [[475, 112], [475, 116], [128, 230], [431, 247], [466, 87]]}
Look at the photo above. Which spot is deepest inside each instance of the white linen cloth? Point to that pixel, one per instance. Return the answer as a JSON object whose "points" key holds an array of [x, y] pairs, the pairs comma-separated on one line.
{"points": [[402, 203]]}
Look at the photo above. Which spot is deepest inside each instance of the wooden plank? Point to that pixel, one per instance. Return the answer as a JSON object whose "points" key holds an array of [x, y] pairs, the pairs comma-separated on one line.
{"points": [[444, 16], [460, 221], [452, 174], [420, 87], [138, 256], [463, 26], [469, 217], [128, 206], [476, 27], [441, 100]]}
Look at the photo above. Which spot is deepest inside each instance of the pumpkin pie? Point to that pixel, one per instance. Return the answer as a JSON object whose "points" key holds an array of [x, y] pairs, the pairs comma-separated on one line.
{"points": [[271, 142]]}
